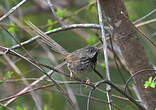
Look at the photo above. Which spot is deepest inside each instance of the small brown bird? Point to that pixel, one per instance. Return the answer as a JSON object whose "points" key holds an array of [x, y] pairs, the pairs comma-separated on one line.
{"points": [[82, 60], [79, 61]]}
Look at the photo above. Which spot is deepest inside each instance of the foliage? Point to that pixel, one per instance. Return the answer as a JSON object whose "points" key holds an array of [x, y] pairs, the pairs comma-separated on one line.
{"points": [[92, 40], [9, 74], [150, 83], [61, 13], [70, 40], [12, 28], [51, 25]]}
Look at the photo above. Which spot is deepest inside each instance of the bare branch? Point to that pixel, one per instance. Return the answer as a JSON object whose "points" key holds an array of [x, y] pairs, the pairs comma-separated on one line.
{"points": [[63, 28], [147, 15], [40, 69], [12, 10], [101, 22], [146, 22]]}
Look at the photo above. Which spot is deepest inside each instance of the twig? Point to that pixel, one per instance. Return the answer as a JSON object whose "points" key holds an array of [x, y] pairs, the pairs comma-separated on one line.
{"points": [[40, 69], [121, 91], [63, 28], [12, 10], [34, 95], [94, 85], [58, 19], [17, 80], [146, 22], [101, 22], [41, 87], [134, 74], [142, 18], [89, 95]]}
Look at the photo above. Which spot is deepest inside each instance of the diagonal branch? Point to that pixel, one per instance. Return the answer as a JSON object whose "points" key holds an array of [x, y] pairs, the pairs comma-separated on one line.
{"points": [[12, 10], [101, 22], [62, 28]]}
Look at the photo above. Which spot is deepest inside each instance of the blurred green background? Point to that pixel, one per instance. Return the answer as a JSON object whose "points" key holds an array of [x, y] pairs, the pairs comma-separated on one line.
{"points": [[72, 12]]}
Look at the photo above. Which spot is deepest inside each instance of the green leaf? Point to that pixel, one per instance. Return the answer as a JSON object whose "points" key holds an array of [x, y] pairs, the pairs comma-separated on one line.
{"points": [[50, 28], [51, 22], [92, 40], [9, 74], [150, 79], [12, 28], [61, 13], [147, 84], [153, 85], [150, 83]]}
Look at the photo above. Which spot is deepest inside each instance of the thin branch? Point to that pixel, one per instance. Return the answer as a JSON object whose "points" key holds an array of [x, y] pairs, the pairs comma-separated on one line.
{"points": [[146, 22], [63, 28], [12, 52], [101, 22], [121, 91], [134, 74], [68, 27], [57, 18], [89, 95], [5, 50], [34, 95], [41, 87], [12, 10], [18, 80], [142, 18]]}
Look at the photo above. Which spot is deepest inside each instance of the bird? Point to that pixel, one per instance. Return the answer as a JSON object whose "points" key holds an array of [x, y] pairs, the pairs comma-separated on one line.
{"points": [[79, 61]]}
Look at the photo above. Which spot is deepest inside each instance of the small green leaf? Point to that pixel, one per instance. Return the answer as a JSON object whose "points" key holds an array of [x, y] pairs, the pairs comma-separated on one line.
{"points": [[12, 28], [50, 28], [9, 74], [61, 13], [51, 22], [150, 83], [150, 79], [153, 85], [92, 40], [146, 84]]}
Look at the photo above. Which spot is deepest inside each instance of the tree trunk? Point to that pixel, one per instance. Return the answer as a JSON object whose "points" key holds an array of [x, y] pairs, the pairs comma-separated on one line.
{"points": [[125, 36]]}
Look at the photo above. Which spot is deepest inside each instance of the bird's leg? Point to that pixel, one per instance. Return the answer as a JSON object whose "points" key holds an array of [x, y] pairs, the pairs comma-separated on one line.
{"points": [[71, 73], [87, 81]]}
